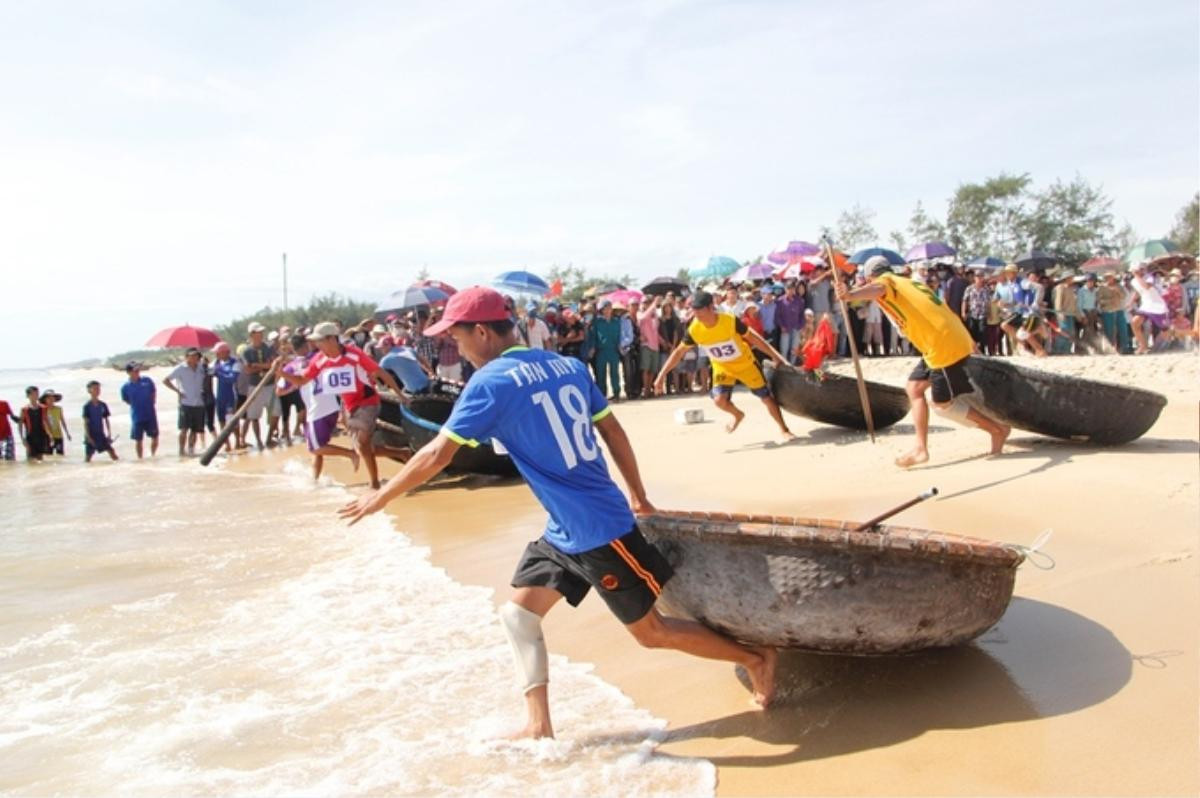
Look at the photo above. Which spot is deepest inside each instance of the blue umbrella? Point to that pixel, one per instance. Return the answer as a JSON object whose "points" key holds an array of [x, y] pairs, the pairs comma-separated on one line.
{"points": [[414, 296], [930, 250], [893, 257], [521, 282], [987, 262], [717, 266]]}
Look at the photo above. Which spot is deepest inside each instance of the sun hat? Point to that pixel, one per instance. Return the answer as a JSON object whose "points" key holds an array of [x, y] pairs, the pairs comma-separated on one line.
{"points": [[219, 345], [46, 394], [272, 336], [325, 329], [877, 265], [474, 305], [1012, 267], [254, 327]]}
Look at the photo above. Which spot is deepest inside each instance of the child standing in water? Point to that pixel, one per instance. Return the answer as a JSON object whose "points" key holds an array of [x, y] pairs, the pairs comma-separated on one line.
{"points": [[96, 429], [55, 421], [35, 432]]}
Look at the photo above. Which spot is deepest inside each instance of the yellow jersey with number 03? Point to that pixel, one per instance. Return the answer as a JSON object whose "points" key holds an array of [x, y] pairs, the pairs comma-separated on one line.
{"points": [[723, 343], [931, 326]]}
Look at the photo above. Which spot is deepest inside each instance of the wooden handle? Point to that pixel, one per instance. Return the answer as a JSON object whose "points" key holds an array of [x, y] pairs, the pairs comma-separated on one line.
{"points": [[231, 424], [877, 520]]}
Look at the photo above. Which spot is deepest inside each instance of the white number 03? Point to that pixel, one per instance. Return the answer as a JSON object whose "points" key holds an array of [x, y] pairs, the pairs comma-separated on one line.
{"points": [[575, 405]]}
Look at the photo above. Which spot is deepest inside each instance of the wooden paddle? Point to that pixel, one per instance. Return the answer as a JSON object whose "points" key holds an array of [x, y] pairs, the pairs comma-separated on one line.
{"points": [[862, 385], [268, 379], [877, 520]]}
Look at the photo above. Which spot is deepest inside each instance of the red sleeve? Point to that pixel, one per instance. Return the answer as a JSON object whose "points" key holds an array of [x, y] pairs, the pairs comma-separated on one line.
{"points": [[312, 369], [364, 360]]}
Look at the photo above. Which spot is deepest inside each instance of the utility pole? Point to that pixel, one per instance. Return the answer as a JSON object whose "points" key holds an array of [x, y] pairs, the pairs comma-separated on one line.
{"points": [[285, 281]]}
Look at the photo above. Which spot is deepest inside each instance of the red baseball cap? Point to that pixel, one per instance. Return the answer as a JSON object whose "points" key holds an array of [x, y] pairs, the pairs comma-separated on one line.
{"points": [[470, 306]]}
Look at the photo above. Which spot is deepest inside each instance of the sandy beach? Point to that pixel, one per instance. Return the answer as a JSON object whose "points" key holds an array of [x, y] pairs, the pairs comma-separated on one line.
{"points": [[1088, 685]]}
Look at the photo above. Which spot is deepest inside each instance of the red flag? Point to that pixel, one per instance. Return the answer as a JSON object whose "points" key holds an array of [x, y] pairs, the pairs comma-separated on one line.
{"points": [[555, 289], [819, 347]]}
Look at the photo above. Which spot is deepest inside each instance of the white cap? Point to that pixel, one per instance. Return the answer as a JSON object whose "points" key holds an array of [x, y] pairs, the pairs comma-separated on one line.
{"points": [[323, 330], [255, 327]]}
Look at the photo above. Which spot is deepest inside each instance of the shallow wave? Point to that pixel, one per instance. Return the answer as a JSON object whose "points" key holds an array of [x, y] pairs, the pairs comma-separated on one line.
{"points": [[194, 631]]}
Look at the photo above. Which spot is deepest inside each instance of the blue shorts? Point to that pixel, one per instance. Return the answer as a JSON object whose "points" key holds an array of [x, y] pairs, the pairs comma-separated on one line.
{"points": [[102, 445], [146, 427]]}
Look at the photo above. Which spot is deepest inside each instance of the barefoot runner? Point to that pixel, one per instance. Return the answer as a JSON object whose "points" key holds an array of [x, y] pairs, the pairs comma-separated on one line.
{"points": [[345, 370], [944, 344], [545, 409], [727, 343], [321, 409]]}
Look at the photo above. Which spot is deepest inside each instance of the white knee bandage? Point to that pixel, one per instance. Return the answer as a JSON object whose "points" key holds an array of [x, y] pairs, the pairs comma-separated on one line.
{"points": [[524, 629]]}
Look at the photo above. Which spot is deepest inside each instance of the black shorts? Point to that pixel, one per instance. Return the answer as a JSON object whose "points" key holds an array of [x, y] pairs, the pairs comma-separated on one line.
{"points": [[191, 419], [946, 383], [629, 573]]}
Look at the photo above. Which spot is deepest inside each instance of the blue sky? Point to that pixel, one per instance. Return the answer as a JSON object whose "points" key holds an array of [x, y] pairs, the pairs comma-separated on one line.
{"points": [[157, 158]]}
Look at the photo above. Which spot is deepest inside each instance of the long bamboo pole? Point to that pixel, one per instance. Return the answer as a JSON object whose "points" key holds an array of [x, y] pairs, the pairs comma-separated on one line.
{"points": [[862, 385]]}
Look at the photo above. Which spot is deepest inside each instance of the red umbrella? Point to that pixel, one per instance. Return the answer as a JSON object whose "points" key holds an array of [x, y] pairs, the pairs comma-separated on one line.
{"points": [[185, 336], [438, 284]]}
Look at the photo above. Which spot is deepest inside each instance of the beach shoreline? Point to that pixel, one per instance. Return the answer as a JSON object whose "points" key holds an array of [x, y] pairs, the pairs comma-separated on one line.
{"points": [[1087, 685]]}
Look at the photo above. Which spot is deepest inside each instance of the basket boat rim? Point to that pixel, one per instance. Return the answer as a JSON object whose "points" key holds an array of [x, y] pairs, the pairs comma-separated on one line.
{"points": [[827, 534]]}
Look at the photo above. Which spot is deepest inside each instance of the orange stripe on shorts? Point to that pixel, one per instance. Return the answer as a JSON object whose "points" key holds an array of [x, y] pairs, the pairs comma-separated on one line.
{"points": [[630, 560]]}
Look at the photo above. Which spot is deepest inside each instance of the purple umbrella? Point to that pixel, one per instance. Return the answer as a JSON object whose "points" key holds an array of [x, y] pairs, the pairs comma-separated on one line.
{"points": [[930, 250], [754, 271]]}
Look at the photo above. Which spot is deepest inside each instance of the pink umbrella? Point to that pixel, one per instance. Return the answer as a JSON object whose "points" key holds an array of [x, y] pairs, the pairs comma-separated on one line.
{"points": [[185, 336], [623, 298]]}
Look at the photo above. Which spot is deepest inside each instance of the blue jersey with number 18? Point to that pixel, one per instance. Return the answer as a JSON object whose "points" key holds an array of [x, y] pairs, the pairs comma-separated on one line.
{"points": [[540, 406]]}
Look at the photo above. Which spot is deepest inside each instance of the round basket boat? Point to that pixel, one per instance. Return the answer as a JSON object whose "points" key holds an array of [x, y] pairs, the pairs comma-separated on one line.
{"points": [[832, 399], [1064, 407], [820, 586], [422, 417]]}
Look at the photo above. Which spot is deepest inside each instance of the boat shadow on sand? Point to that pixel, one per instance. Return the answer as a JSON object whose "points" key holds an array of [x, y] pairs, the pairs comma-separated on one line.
{"points": [[1040, 661], [837, 436]]}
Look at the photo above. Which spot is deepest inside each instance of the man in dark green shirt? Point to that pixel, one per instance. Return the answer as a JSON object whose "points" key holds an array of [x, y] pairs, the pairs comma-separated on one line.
{"points": [[605, 338]]}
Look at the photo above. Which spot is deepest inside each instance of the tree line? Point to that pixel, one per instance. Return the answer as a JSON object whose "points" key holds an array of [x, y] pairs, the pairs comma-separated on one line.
{"points": [[1004, 215]]}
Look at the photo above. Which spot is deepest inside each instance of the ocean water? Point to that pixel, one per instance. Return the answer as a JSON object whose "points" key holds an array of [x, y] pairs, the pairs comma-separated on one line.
{"points": [[167, 629]]}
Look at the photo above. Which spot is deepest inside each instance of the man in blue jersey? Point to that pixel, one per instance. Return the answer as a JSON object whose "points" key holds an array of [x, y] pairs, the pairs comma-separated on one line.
{"points": [[139, 393], [545, 410]]}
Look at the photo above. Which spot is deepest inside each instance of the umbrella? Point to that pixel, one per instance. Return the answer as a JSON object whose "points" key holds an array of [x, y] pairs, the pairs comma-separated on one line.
{"points": [[893, 257], [800, 266], [622, 297], [414, 296], [753, 271], [1035, 259], [1150, 250], [717, 266], [521, 283], [1100, 263], [445, 288], [663, 286], [930, 250], [185, 336], [986, 262], [605, 288]]}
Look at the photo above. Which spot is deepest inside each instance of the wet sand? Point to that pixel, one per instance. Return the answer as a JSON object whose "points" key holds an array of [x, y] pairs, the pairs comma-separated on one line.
{"points": [[1087, 686]]}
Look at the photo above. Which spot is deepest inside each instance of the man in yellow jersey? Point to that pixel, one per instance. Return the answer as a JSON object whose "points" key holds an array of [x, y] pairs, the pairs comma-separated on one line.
{"points": [[944, 344], [727, 341]]}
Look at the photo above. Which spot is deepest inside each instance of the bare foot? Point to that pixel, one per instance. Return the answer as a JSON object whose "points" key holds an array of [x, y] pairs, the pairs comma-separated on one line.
{"points": [[999, 437], [915, 457], [533, 731], [355, 460], [738, 415], [762, 676], [787, 435]]}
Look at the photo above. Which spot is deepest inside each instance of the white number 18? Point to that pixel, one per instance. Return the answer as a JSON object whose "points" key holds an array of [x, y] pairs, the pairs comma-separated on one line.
{"points": [[575, 405]]}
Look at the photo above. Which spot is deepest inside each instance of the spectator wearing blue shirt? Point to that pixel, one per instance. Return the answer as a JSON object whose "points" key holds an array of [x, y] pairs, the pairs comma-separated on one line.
{"points": [[226, 368], [406, 365], [139, 393], [97, 432], [545, 410]]}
